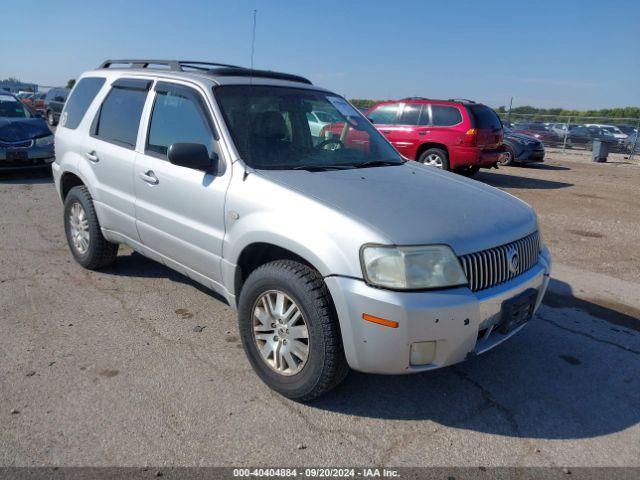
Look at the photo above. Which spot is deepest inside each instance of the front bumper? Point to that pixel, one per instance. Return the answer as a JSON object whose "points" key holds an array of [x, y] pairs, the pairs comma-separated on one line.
{"points": [[32, 157], [457, 319], [531, 155]]}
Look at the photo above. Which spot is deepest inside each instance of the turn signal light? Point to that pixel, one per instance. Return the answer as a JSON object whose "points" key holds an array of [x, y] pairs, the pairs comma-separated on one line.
{"points": [[380, 321]]}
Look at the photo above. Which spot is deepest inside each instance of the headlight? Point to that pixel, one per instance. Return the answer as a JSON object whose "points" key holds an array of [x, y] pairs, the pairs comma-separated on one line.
{"points": [[44, 141], [411, 268]]}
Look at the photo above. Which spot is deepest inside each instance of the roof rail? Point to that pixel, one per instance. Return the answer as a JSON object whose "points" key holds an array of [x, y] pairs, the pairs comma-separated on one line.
{"points": [[414, 98], [213, 68], [173, 65], [461, 100]]}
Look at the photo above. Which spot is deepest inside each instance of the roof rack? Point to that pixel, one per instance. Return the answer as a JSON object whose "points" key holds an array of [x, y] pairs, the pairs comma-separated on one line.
{"points": [[414, 98], [461, 100], [213, 68]]}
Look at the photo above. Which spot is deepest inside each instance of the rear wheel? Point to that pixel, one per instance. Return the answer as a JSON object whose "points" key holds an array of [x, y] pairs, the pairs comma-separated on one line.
{"points": [[85, 239], [289, 330], [435, 157]]}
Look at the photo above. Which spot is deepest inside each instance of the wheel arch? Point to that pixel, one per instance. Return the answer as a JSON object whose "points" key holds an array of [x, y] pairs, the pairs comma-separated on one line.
{"points": [[427, 145]]}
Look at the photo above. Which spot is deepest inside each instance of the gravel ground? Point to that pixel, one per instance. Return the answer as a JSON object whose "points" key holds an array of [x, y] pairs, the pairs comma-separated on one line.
{"points": [[108, 368]]}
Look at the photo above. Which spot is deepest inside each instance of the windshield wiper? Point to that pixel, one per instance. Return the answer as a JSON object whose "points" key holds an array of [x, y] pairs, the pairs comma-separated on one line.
{"points": [[322, 168], [377, 163]]}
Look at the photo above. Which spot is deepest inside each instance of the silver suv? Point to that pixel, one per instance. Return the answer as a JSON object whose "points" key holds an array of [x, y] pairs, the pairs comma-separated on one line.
{"points": [[335, 250]]}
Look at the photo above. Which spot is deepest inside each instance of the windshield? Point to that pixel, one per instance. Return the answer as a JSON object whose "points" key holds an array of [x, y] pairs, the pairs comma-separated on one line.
{"points": [[12, 108], [271, 129]]}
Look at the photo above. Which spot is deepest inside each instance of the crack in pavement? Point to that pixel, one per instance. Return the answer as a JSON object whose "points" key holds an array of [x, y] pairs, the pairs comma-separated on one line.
{"points": [[588, 335]]}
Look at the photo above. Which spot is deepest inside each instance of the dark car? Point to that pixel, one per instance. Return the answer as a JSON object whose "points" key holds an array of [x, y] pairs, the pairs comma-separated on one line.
{"points": [[539, 131], [628, 129], [521, 148], [582, 136], [53, 104], [25, 139]]}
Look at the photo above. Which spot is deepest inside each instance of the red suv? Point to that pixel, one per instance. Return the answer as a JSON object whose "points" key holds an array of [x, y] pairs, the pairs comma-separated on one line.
{"points": [[458, 135]]}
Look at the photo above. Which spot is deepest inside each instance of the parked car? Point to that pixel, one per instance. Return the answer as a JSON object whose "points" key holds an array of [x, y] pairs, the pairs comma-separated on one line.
{"points": [[583, 136], [628, 129], [612, 129], [521, 148], [25, 140], [458, 135], [53, 104], [317, 120], [540, 132], [335, 255]]}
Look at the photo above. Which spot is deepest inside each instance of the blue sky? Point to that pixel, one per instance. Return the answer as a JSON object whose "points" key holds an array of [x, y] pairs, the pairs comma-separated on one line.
{"points": [[569, 53]]}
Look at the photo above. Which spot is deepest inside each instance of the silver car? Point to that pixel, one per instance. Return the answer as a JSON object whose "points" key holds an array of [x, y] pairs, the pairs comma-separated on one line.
{"points": [[336, 252]]}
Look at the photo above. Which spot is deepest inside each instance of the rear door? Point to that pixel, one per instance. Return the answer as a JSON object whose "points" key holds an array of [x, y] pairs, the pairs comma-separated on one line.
{"points": [[488, 126], [411, 129]]}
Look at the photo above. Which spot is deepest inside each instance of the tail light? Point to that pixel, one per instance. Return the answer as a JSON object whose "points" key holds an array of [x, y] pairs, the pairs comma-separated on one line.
{"points": [[471, 137]]}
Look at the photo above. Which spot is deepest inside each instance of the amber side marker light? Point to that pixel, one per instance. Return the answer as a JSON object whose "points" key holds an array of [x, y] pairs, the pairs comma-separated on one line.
{"points": [[380, 321]]}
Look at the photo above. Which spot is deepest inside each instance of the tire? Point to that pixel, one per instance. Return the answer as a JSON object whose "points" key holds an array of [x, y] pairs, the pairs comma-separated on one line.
{"points": [[325, 365], [435, 157], [51, 119], [468, 171], [508, 160], [80, 217]]}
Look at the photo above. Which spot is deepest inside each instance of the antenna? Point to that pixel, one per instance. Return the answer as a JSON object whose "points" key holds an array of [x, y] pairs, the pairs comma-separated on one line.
{"points": [[253, 37]]}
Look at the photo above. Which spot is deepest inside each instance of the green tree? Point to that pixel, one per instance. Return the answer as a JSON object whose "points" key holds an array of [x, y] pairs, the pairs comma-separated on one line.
{"points": [[71, 83]]}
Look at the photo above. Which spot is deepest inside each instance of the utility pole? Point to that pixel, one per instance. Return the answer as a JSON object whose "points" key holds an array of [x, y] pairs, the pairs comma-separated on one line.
{"points": [[509, 114]]}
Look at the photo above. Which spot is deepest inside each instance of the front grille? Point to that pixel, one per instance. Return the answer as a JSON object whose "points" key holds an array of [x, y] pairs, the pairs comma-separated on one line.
{"points": [[20, 144], [497, 265]]}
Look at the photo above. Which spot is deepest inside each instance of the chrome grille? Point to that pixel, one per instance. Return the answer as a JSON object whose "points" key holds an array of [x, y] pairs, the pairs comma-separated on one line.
{"points": [[492, 267]]}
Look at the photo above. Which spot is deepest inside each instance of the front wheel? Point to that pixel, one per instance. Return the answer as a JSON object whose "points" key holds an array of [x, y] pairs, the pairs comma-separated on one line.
{"points": [[435, 157], [289, 330], [507, 157]]}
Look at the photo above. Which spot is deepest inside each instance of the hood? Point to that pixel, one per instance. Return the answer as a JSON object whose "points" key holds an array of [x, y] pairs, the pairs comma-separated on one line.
{"points": [[17, 129], [414, 204]]}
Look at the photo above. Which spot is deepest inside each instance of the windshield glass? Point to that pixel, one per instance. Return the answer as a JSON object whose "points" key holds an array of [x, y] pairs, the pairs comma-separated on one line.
{"points": [[272, 129], [12, 108]]}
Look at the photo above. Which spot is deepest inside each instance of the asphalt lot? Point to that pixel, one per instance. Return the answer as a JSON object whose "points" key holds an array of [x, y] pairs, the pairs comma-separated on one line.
{"points": [[107, 369]]}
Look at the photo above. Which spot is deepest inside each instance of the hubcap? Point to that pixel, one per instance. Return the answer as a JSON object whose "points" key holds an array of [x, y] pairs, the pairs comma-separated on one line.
{"points": [[79, 228], [507, 158], [280, 332], [434, 160]]}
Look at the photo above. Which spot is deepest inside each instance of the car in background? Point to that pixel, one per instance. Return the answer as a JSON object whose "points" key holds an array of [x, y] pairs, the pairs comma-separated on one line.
{"points": [[628, 129], [458, 135], [318, 119], [631, 144], [25, 140], [584, 136], [615, 131], [521, 148], [53, 104], [540, 132]]}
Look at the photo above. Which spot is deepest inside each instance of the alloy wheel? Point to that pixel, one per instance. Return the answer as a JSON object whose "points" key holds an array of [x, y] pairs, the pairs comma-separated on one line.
{"points": [[434, 160], [280, 332], [79, 227]]}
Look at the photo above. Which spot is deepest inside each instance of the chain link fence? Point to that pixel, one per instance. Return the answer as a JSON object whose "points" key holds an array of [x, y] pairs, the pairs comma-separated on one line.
{"points": [[580, 132]]}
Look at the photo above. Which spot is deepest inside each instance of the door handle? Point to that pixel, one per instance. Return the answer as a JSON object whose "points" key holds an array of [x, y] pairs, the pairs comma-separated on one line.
{"points": [[92, 156], [149, 177], [385, 131]]}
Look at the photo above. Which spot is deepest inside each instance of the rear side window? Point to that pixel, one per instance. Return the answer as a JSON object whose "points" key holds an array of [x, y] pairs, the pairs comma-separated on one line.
{"points": [[444, 116], [483, 117], [384, 114], [79, 101], [119, 116], [411, 115], [178, 116]]}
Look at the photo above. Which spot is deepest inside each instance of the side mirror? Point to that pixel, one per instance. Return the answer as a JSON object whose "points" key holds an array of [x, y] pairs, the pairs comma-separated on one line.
{"points": [[193, 155], [370, 120]]}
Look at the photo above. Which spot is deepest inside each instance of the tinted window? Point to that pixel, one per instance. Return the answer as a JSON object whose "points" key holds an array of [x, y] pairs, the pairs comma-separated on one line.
{"points": [[12, 108], [384, 114], [483, 117], [119, 116], [79, 101], [175, 118], [444, 116], [410, 115]]}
